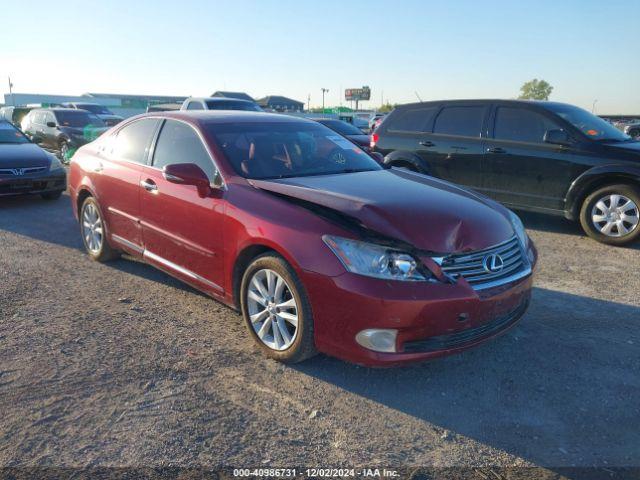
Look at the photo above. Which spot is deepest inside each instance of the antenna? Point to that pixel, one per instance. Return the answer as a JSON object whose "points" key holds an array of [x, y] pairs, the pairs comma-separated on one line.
{"points": [[418, 96]]}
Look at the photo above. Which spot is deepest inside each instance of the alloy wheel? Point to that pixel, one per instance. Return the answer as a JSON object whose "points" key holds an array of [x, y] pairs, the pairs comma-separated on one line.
{"points": [[92, 230], [272, 309], [615, 215]]}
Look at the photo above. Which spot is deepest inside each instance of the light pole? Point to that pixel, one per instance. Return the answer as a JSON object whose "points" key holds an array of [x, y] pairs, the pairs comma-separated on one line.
{"points": [[593, 107], [11, 91], [324, 90]]}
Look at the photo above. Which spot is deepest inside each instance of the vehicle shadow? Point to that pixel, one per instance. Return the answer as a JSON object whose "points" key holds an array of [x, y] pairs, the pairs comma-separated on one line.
{"points": [[53, 222], [557, 390]]}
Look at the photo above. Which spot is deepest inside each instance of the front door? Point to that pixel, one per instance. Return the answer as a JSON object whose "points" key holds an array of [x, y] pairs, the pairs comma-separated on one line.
{"points": [[521, 169], [182, 231]]}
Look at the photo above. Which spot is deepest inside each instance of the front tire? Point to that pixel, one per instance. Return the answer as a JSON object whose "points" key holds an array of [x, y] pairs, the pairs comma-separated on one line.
{"points": [[276, 310], [63, 149], [93, 231], [611, 214], [635, 133]]}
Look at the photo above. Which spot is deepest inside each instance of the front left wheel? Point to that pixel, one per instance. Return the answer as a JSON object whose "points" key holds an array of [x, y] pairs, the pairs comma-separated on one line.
{"points": [[276, 310]]}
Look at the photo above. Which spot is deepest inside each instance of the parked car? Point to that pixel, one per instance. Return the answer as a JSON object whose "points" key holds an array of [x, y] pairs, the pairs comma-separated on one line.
{"points": [[375, 120], [347, 130], [107, 116], [27, 169], [14, 115], [278, 217], [542, 156], [219, 103], [632, 129], [62, 130]]}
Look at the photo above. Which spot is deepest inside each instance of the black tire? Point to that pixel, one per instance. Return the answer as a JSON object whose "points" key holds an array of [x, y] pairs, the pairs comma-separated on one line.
{"points": [[63, 151], [105, 252], [635, 133], [51, 195], [592, 230], [303, 346]]}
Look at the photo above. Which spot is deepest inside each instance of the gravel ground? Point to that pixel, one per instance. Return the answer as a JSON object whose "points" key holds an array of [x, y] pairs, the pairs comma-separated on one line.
{"points": [[120, 365]]}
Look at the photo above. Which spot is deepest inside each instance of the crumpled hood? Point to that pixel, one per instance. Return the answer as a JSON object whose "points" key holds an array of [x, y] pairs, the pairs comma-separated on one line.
{"points": [[427, 213], [22, 155]]}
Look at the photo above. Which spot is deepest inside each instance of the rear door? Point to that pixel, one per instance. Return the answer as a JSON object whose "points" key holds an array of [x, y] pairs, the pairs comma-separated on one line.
{"points": [[454, 149], [182, 231], [117, 171], [521, 169]]}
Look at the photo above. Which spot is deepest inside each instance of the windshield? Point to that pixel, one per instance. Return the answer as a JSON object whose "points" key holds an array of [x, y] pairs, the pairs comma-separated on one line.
{"points": [[292, 149], [231, 105], [10, 134], [593, 127], [78, 119], [94, 108], [343, 128]]}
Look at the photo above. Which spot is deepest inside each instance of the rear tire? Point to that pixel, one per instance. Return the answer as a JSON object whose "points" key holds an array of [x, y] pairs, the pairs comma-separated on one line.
{"points": [[93, 230], [611, 214], [635, 133], [267, 283]]}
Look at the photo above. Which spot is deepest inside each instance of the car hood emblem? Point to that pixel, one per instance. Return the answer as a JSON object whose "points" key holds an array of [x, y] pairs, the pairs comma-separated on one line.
{"points": [[493, 263]]}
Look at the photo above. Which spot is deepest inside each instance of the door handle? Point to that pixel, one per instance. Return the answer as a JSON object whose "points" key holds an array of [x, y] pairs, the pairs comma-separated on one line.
{"points": [[98, 168], [496, 150], [427, 143], [149, 185]]}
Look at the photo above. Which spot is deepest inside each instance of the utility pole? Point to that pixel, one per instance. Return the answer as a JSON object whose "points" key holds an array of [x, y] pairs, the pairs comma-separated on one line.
{"points": [[11, 92], [593, 107], [308, 102], [324, 90]]}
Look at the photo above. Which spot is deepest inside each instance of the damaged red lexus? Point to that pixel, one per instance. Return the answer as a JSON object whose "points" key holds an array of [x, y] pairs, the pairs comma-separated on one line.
{"points": [[319, 247]]}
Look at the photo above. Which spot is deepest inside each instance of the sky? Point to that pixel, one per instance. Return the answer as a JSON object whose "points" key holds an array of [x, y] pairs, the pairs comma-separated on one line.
{"points": [[402, 49]]}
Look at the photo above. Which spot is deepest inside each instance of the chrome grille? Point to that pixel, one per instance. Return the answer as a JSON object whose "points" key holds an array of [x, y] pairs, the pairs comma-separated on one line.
{"points": [[475, 268], [18, 172]]}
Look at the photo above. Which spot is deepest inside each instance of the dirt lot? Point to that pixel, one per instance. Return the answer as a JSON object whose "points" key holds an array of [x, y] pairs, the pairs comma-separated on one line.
{"points": [[120, 365]]}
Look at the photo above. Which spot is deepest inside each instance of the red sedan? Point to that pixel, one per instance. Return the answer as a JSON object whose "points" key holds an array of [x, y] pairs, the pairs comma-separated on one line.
{"points": [[318, 246]]}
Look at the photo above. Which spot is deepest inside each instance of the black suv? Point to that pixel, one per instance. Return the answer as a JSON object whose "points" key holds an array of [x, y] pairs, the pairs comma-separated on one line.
{"points": [[62, 130], [541, 156]]}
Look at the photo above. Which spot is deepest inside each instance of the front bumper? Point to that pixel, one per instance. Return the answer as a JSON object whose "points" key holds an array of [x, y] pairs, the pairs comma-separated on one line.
{"points": [[432, 319], [46, 182]]}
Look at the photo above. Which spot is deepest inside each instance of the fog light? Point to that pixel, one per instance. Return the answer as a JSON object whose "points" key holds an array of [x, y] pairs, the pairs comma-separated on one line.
{"points": [[378, 340]]}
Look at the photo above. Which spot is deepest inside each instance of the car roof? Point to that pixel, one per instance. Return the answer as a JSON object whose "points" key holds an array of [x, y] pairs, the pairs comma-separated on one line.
{"points": [[539, 103], [219, 99], [227, 116]]}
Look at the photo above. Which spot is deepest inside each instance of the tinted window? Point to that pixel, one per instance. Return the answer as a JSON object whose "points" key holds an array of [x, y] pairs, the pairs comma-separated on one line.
{"points": [[94, 108], [78, 119], [413, 120], [48, 117], [179, 143], [289, 149], [132, 142], [194, 106], [521, 125], [38, 118], [462, 121]]}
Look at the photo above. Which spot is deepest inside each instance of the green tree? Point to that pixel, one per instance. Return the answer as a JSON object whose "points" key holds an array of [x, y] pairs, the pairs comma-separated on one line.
{"points": [[535, 90], [386, 107]]}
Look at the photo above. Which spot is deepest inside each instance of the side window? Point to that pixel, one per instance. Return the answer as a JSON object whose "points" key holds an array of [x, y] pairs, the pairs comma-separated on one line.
{"points": [[413, 120], [39, 118], [133, 141], [194, 106], [521, 125], [49, 117], [179, 143], [462, 121]]}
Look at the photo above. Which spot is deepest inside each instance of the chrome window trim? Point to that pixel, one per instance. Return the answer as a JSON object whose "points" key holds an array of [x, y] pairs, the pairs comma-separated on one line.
{"points": [[167, 263]]}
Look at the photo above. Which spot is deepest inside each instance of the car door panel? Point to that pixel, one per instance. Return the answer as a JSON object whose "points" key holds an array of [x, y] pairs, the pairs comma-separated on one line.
{"points": [[182, 231]]}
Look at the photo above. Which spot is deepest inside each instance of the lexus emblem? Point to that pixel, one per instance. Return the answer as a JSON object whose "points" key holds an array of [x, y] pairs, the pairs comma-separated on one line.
{"points": [[493, 263], [18, 171]]}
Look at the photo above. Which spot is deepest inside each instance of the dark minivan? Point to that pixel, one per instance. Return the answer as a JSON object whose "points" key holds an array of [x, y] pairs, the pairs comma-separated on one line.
{"points": [[541, 156]]}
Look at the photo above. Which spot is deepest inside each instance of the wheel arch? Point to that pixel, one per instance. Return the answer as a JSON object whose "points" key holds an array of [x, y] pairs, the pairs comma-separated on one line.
{"points": [[401, 158], [594, 179]]}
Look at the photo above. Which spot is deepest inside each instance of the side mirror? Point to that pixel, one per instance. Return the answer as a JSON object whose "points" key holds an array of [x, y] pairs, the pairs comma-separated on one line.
{"points": [[556, 137], [188, 174], [378, 157], [51, 124]]}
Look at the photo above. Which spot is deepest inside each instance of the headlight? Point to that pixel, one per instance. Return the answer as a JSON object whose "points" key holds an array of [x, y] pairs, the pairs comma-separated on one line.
{"points": [[55, 163], [375, 260], [519, 229]]}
